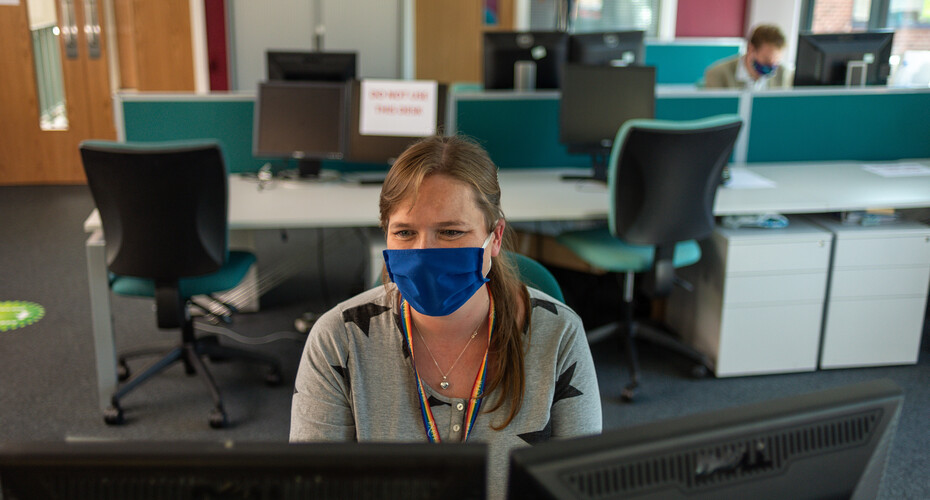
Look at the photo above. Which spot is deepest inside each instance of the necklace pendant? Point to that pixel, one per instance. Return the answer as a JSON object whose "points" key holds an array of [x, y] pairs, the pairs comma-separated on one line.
{"points": [[444, 384]]}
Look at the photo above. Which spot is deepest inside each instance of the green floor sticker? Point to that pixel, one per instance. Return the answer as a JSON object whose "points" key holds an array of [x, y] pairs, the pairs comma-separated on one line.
{"points": [[17, 314]]}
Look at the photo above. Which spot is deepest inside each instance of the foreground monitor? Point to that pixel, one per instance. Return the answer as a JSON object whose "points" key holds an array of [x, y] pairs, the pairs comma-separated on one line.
{"points": [[310, 66], [127, 469], [596, 101], [304, 121], [828, 444], [524, 60], [850, 59], [612, 48]]}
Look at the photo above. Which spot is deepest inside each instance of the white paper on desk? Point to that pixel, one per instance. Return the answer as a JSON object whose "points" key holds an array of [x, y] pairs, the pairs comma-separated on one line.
{"points": [[398, 107], [744, 179], [898, 169]]}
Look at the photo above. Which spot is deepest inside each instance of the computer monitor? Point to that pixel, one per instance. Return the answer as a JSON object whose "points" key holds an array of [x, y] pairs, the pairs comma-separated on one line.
{"points": [[612, 48], [843, 58], [304, 121], [596, 101], [310, 66], [382, 149], [827, 444], [524, 60], [130, 469]]}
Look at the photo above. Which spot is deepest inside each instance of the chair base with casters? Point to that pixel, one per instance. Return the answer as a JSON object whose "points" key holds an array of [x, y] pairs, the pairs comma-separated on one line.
{"points": [[603, 251]]}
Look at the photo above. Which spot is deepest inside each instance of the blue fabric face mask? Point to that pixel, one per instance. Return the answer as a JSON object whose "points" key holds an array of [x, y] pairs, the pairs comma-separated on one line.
{"points": [[763, 69], [437, 281]]}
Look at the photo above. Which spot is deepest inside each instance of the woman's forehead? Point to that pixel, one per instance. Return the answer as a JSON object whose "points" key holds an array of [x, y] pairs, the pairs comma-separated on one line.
{"points": [[439, 197]]}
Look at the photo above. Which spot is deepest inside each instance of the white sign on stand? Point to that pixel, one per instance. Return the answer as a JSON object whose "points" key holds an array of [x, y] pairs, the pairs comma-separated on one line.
{"points": [[398, 108]]}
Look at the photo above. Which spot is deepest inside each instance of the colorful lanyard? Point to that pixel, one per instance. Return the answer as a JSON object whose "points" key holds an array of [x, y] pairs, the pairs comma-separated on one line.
{"points": [[474, 402]]}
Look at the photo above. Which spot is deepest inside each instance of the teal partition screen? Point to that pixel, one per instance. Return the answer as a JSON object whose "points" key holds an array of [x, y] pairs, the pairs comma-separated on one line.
{"points": [[229, 122], [839, 126], [678, 63]]}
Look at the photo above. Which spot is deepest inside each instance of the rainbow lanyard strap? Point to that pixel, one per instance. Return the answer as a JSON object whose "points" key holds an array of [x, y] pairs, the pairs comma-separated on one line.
{"points": [[474, 402]]}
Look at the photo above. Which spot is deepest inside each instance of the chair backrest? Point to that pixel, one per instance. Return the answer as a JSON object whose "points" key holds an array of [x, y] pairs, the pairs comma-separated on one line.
{"points": [[163, 206], [535, 275], [663, 178]]}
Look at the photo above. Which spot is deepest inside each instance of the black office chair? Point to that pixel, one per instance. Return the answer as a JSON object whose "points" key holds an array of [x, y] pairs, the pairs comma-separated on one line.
{"points": [[164, 212], [663, 178]]}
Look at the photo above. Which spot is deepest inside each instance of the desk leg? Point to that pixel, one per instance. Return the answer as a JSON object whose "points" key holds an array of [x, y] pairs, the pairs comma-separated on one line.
{"points": [[101, 318]]}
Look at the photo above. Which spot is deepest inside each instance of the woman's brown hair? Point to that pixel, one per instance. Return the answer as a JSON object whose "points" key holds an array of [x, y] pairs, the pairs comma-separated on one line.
{"points": [[466, 161]]}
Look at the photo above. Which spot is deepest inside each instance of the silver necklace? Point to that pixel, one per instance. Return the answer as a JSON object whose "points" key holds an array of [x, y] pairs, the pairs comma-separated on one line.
{"points": [[444, 384]]}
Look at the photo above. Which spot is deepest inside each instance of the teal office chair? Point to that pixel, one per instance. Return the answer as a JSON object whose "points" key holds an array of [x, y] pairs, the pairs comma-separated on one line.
{"points": [[163, 207], [662, 179], [534, 274]]}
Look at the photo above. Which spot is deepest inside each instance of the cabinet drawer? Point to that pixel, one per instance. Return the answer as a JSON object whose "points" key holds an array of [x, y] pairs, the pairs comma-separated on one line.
{"points": [[756, 340], [877, 282], [872, 332], [810, 255], [782, 287], [878, 251]]}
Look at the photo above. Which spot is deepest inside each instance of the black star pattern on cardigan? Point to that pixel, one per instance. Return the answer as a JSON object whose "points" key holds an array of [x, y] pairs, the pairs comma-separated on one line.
{"points": [[563, 390], [537, 437], [361, 315], [545, 304], [344, 372]]}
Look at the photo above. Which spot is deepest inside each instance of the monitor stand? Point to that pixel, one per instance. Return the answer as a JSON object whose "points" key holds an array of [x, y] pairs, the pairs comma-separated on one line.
{"points": [[309, 168], [599, 161]]}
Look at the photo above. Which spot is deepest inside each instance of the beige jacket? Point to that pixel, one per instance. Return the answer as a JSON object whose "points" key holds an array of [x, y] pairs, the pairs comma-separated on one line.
{"points": [[722, 75]]}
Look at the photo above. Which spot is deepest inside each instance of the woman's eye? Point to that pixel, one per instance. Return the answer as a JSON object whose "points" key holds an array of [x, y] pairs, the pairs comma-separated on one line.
{"points": [[451, 233], [403, 234]]}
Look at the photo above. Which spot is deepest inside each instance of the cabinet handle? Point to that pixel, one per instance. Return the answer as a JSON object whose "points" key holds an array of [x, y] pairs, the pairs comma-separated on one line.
{"points": [[69, 29], [92, 28]]}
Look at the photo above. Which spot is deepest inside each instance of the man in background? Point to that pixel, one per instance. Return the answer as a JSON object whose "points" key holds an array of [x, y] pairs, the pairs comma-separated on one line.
{"points": [[758, 69]]}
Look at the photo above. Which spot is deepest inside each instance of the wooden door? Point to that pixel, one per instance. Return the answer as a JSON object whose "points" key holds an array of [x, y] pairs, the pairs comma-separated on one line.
{"points": [[30, 154]]}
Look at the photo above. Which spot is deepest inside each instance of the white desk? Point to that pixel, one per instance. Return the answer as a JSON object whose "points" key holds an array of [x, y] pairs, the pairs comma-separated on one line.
{"points": [[527, 195]]}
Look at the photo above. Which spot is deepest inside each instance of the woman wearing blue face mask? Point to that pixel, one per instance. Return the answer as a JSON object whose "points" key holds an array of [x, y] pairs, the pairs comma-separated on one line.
{"points": [[453, 347]]}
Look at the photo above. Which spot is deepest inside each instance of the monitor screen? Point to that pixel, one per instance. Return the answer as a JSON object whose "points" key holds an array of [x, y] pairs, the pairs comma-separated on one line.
{"points": [[300, 120], [827, 444], [312, 66], [596, 101], [382, 148], [524, 60], [131, 469], [843, 58], [614, 48]]}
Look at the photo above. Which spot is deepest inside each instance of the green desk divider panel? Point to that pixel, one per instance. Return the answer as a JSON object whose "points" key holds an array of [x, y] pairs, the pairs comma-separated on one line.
{"points": [[229, 122], [523, 132], [685, 63], [853, 126]]}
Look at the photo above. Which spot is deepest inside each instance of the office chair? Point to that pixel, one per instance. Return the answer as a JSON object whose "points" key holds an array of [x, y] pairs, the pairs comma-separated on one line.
{"points": [[534, 274], [662, 179], [163, 207]]}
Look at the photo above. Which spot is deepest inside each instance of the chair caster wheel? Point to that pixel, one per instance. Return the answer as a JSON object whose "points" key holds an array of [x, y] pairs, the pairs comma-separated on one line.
{"points": [[699, 371], [218, 419], [122, 371], [113, 415], [273, 378]]}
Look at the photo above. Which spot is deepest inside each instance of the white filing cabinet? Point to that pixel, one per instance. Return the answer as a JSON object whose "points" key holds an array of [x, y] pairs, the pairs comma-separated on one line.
{"points": [[757, 303], [877, 294]]}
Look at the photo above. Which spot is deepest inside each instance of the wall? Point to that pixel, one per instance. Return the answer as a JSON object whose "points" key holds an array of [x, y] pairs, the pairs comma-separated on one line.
{"points": [[256, 27], [711, 18], [784, 13]]}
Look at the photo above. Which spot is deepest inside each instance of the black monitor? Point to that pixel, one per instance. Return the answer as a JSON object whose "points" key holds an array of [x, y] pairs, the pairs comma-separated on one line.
{"points": [[524, 60], [596, 101], [310, 66], [383, 149], [130, 469], [843, 58], [612, 48], [828, 444], [304, 121]]}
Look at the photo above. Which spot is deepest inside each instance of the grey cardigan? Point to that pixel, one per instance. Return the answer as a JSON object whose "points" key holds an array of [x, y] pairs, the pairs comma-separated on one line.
{"points": [[356, 383]]}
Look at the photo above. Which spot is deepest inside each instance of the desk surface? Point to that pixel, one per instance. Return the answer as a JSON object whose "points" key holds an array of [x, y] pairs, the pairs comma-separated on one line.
{"points": [[542, 195]]}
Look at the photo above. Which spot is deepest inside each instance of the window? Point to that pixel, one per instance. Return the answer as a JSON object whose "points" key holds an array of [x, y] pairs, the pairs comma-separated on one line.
{"points": [[910, 19], [598, 15]]}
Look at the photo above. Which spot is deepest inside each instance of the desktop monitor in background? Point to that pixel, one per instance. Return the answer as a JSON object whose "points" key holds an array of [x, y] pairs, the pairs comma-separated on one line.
{"points": [[131, 469], [614, 48], [828, 444], [304, 121], [524, 60], [382, 149], [310, 66], [850, 59], [596, 101]]}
